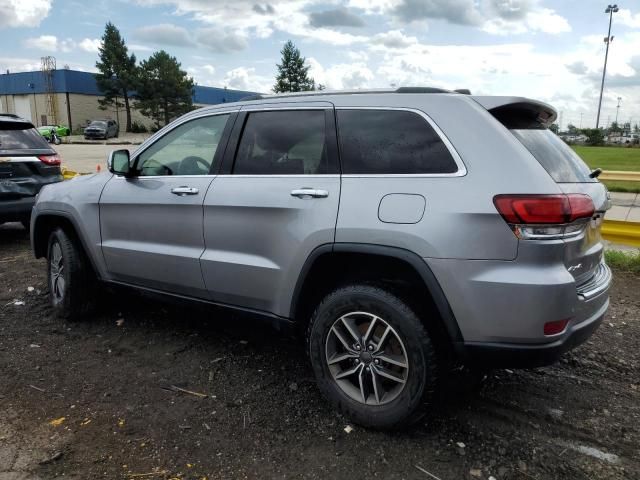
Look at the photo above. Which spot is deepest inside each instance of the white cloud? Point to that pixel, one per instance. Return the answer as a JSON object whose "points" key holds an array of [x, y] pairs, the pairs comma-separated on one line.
{"points": [[243, 78], [628, 19], [49, 43], [90, 45], [394, 39], [341, 76], [164, 34], [541, 20], [23, 13]]}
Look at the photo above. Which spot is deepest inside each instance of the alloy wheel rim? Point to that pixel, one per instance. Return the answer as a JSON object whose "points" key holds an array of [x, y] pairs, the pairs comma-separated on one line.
{"points": [[366, 358], [56, 267]]}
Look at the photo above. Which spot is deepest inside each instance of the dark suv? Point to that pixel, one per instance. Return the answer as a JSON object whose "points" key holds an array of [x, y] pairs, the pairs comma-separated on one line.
{"points": [[27, 163]]}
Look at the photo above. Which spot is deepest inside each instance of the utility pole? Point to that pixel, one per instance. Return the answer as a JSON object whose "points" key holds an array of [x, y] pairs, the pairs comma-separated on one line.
{"points": [[611, 9], [618, 109]]}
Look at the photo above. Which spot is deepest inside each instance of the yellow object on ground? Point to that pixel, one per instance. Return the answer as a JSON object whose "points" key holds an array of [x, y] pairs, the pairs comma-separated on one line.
{"points": [[627, 233]]}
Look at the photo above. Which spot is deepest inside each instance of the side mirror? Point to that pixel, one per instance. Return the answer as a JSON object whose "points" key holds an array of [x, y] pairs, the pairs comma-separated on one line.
{"points": [[118, 163]]}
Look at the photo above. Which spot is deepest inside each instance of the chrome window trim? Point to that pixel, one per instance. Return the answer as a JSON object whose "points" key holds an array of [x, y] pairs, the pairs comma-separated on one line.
{"points": [[462, 169], [311, 175], [175, 124], [273, 107]]}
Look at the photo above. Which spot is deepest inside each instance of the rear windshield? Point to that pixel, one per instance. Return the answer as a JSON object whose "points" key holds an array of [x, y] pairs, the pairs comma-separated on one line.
{"points": [[563, 164], [21, 139]]}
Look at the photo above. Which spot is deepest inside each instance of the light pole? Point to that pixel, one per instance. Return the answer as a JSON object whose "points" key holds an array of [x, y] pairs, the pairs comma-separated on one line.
{"points": [[611, 9], [618, 109]]}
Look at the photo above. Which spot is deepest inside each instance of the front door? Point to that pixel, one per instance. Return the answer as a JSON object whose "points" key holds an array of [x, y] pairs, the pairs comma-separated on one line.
{"points": [[151, 224], [267, 213]]}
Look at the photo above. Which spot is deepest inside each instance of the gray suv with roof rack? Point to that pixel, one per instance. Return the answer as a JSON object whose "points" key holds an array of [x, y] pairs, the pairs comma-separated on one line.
{"points": [[402, 232]]}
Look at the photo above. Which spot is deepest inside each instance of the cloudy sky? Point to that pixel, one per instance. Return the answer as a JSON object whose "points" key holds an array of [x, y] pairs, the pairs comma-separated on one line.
{"points": [[552, 51]]}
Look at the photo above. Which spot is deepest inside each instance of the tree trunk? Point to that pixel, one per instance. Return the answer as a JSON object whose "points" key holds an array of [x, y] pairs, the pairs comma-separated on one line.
{"points": [[127, 108], [166, 112]]}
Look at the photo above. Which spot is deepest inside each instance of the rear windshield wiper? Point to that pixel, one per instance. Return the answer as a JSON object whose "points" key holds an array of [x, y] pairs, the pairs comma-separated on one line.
{"points": [[595, 173]]}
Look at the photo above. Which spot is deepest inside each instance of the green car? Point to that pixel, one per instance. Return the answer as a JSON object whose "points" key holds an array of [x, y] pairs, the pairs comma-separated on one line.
{"points": [[59, 130]]}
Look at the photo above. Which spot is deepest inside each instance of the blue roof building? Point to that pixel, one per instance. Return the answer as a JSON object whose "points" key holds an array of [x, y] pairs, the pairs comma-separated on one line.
{"points": [[25, 94]]}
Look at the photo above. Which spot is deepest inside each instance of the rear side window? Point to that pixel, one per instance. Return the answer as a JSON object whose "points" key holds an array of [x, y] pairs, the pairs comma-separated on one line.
{"points": [[292, 142], [391, 142], [21, 139], [562, 163]]}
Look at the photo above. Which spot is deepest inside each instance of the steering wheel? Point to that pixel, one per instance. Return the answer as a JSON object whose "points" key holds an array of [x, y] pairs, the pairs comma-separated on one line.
{"points": [[202, 163]]}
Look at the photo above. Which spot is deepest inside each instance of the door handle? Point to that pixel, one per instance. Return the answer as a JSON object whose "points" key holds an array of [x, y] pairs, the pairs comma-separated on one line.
{"points": [[309, 193], [182, 191]]}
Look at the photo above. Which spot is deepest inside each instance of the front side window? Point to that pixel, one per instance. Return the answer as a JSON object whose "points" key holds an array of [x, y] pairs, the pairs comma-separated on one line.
{"points": [[284, 143], [391, 142], [186, 150]]}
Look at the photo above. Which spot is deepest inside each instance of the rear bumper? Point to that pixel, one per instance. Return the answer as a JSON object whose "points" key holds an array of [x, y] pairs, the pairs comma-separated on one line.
{"points": [[16, 210], [533, 355]]}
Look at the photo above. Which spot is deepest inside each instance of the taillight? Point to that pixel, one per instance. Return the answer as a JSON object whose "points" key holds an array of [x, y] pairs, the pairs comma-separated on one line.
{"points": [[545, 216], [54, 159], [555, 327]]}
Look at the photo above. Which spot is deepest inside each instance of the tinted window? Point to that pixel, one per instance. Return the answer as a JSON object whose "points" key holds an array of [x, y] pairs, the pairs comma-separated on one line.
{"points": [[186, 150], [284, 143], [387, 141], [21, 139], [562, 163], [98, 124]]}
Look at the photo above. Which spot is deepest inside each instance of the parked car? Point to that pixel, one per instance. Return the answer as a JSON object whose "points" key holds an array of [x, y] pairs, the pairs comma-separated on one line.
{"points": [[27, 163], [103, 129], [53, 132], [404, 232]]}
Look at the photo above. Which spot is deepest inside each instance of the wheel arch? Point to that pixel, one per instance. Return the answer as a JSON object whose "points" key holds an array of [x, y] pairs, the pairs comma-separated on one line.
{"points": [[328, 262], [47, 222]]}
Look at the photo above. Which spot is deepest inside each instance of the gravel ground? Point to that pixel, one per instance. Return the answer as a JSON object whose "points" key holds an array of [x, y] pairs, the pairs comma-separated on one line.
{"points": [[102, 399]]}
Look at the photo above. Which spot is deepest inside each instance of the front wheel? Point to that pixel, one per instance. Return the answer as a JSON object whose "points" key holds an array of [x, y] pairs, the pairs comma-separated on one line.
{"points": [[69, 277], [372, 357]]}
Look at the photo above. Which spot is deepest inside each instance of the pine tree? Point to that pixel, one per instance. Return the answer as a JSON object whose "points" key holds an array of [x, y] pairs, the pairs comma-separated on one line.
{"points": [[165, 91], [292, 71], [117, 69]]}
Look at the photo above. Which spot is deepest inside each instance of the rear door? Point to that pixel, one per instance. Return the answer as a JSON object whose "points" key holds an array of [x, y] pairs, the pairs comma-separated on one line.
{"points": [[151, 224], [274, 203]]}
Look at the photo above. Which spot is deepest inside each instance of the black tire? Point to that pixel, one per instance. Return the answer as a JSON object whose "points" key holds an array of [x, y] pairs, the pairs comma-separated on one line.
{"points": [[421, 376], [74, 299]]}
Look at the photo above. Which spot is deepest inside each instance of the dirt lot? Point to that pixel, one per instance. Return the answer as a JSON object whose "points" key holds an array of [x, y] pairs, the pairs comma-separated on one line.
{"points": [[94, 400]]}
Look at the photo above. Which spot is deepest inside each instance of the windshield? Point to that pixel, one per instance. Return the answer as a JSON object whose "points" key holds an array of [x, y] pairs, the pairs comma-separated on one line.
{"points": [[98, 124], [563, 164]]}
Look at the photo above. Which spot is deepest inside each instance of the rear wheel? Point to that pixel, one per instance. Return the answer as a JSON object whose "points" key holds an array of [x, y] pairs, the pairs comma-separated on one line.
{"points": [[372, 357], [70, 279]]}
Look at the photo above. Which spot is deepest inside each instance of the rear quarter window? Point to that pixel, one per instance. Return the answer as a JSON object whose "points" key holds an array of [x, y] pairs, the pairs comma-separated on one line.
{"points": [[391, 142], [563, 164], [21, 139]]}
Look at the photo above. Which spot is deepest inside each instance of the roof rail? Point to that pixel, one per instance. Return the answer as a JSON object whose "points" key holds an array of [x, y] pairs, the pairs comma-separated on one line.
{"points": [[314, 93], [421, 90]]}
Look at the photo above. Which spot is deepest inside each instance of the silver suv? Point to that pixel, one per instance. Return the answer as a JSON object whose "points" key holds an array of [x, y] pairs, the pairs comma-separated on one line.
{"points": [[406, 232]]}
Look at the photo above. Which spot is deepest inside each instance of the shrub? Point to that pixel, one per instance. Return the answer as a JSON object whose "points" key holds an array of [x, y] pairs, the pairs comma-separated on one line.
{"points": [[138, 128]]}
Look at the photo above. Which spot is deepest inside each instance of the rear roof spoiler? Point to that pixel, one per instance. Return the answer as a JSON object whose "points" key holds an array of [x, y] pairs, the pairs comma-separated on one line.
{"points": [[518, 112]]}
